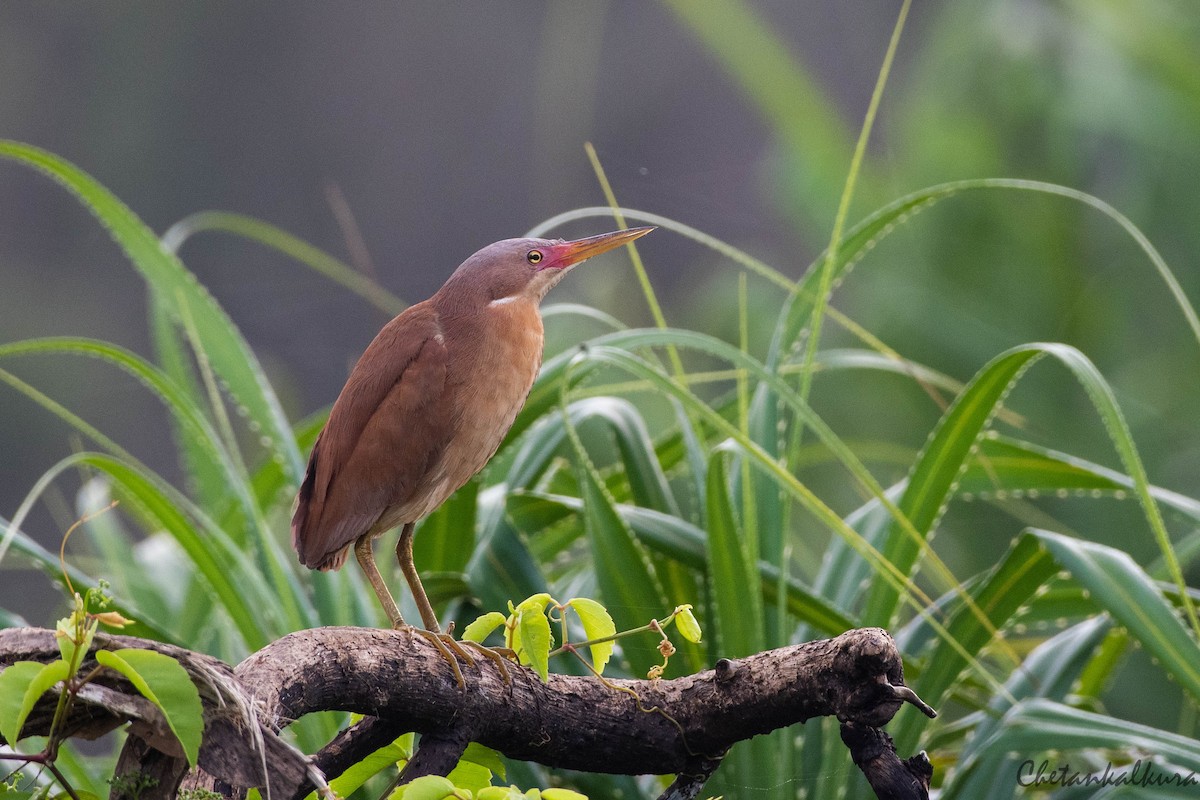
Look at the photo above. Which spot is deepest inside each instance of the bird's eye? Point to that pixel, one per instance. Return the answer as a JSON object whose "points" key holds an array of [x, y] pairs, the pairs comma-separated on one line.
{"points": [[534, 256]]}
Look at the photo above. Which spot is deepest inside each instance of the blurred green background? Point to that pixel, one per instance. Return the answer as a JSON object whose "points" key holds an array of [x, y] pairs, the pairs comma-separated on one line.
{"points": [[437, 128]]}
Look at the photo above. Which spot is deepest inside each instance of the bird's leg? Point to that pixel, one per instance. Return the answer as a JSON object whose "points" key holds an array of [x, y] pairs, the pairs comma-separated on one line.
{"points": [[404, 555], [433, 632], [366, 560]]}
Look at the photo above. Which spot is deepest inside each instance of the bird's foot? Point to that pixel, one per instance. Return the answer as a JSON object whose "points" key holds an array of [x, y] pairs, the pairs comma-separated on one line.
{"points": [[496, 655], [449, 649]]}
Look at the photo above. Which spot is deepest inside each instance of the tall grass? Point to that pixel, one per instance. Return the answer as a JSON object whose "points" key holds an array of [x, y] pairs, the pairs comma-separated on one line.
{"points": [[649, 485]]}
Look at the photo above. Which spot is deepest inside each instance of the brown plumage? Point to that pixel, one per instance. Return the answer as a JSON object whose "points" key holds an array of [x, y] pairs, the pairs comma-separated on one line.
{"points": [[428, 404]]}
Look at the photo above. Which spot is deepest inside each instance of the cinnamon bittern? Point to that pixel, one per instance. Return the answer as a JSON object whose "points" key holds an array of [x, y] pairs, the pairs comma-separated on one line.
{"points": [[428, 404]]}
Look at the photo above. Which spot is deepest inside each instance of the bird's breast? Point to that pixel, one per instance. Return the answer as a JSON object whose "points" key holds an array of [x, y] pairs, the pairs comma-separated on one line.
{"points": [[496, 361]]}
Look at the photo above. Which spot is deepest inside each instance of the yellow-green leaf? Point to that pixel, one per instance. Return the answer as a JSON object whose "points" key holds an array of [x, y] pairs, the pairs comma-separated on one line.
{"points": [[686, 624], [21, 685], [482, 627], [164, 682], [470, 776], [427, 787], [558, 793], [390, 756], [597, 624], [532, 638], [500, 793], [485, 757]]}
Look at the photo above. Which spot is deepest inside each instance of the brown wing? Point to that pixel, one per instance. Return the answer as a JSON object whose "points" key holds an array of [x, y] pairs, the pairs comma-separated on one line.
{"points": [[384, 433]]}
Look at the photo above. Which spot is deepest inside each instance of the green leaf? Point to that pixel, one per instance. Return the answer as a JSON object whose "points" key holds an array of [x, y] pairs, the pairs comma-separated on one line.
{"points": [[500, 793], [485, 757], [685, 622], [933, 477], [628, 586], [427, 787], [386, 757], [501, 566], [736, 592], [65, 633], [1120, 587], [531, 634], [597, 624], [559, 793], [470, 776], [164, 682], [482, 627], [228, 352], [1038, 725], [22, 684], [446, 538], [1008, 586]]}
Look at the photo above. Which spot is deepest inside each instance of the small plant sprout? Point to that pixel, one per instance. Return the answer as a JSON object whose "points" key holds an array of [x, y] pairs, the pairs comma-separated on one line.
{"points": [[161, 679], [528, 636]]}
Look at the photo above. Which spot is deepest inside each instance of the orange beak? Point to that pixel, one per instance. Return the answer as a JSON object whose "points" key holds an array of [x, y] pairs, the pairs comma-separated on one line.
{"points": [[567, 254]]}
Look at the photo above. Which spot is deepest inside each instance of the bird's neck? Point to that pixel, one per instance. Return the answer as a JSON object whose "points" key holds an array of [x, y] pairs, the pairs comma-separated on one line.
{"points": [[503, 331]]}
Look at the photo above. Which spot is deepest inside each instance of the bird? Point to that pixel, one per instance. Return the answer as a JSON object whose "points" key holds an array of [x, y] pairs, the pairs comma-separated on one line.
{"points": [[426, 407]]}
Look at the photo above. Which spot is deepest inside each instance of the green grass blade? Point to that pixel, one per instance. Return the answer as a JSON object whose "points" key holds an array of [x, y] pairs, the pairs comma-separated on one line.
{"points": [[639, 270], [207, 485], [1118, 585], [1011, 583], [501, 567], [278, 239], [686, 544], [1051, 672], [932, 479], [645, 481], [828, 267], [734, 583], [196, 432], [231, 357], [1022, 469], [1037, 726], [740, 257], [553, 310], [445, 539], [866, 234], [628, 585], [1105, 403], [844, 575]]}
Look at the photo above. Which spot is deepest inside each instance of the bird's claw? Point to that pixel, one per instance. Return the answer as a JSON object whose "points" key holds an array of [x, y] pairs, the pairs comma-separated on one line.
{"points": [[445, 644], [453, 651], [496, 655]]}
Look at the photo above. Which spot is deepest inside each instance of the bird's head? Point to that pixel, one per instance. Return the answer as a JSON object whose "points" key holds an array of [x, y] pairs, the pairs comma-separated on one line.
{"points": [[528, 268]]}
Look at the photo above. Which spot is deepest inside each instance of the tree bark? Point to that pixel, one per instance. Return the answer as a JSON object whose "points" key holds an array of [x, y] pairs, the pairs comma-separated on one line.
{"points": [[682, 726]]}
